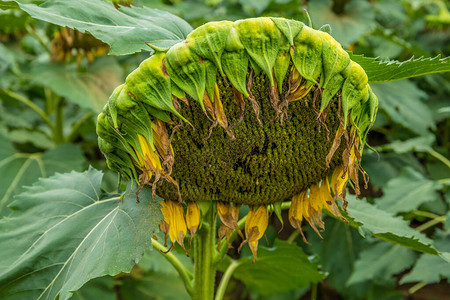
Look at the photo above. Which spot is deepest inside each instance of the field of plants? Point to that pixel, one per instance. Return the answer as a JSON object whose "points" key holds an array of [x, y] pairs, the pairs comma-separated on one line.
{"points": [[90, 188]]}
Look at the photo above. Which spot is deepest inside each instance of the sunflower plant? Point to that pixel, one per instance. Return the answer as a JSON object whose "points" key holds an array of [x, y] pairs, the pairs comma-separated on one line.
{"points": [[219, 132]]}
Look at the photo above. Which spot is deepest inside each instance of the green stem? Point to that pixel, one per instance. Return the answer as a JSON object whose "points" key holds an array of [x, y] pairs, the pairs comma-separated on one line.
{"points": [[417, 287], [439, 156], [426, 214], [430, 223], [185, 275], [204, 247], [40, 39], [31, 105], [225, 279]]}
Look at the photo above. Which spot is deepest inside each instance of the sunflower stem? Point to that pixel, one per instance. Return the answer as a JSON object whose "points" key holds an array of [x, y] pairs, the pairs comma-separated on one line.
{"points": [[204, 253]]}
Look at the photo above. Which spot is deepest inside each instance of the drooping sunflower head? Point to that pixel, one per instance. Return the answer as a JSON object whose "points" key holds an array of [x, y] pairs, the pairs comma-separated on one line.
{"points": [[251, 112]]}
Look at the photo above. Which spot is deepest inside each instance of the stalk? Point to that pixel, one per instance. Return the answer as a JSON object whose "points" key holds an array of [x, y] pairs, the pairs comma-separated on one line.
{"points": [[185, 275], [204, 247]]}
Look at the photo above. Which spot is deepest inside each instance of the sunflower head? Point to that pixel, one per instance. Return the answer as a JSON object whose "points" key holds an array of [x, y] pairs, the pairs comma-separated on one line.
{"points": [[252, 112]]}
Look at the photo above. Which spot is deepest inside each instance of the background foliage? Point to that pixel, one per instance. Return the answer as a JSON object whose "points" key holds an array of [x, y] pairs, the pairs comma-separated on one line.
{"points": [[50, 96]]}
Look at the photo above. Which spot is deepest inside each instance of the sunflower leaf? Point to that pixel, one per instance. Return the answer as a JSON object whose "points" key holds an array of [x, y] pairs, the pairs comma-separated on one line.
{"points": [[277, 269], [430, 268], [89, 89], [391, 259], [390, 70], [70, 233], [19, 169], [158, 285], [98, 288], [126, 30], [408, 192], [403, 102], [384, 225]]}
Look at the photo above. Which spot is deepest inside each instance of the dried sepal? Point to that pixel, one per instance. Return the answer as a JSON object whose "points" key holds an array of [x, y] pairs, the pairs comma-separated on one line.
{"points": [[229, 216]]}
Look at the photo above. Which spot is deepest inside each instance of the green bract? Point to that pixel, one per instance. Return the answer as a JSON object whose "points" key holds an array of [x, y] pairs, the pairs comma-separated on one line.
{"points": [[273, 64]]}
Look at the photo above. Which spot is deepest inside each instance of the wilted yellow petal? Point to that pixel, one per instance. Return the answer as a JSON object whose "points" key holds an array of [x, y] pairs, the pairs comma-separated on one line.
{"points": [[229, 215], [150, 161], [296, 213], [192, 216], [339, 181], [297, 87], [255, 226], [192, 219], [174, 216], [315, 199]]}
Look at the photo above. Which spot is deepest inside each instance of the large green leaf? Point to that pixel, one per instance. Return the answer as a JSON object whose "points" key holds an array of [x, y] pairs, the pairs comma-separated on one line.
{"points": [[418, 144], [98, 288], [89, 89], [153, 285], [281, 268], [66, 232], [408, 192], [337, 254], [19, 169], [383, 167], [384, 225], [382, 71], [430, 268], [155, 278], [126, 29], [401, 100], [390, 259]]}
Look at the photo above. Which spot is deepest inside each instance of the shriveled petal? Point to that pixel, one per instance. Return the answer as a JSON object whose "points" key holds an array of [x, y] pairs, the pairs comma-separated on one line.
{"points": [[329, 202], [336, 143], [339, 181], [192, 219], [255, 227], [314, 205], [229, 215], [174, 216], [224, 231], [150, 162], [296, 213]]}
